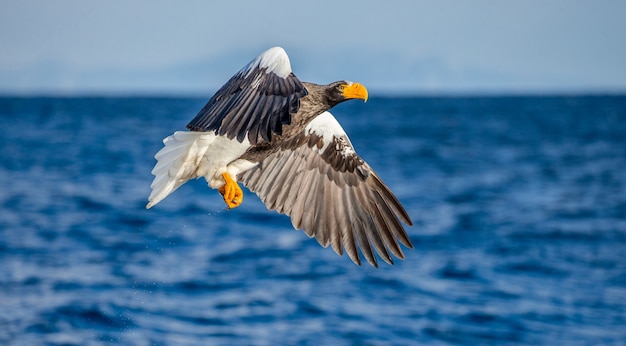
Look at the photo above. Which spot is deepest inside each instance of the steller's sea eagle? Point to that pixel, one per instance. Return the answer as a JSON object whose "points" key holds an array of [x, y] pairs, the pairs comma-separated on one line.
{"points": [[273, 133]]}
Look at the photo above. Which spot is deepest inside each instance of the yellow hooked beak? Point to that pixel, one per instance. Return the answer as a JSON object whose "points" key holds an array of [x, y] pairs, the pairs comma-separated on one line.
{"points": [[355, 91]]}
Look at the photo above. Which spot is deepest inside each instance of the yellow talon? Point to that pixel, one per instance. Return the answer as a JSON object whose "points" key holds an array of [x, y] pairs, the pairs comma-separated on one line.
{"points": [[232, 193]]}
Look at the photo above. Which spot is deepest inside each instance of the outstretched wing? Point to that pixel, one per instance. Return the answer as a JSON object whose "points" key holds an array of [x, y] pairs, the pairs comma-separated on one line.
{"points": [[255, 102], [331, 193]]}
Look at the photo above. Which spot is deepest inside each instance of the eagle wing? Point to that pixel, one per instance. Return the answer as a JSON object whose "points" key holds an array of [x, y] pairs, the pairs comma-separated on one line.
{"points": [[256, 102], [331, 193]]}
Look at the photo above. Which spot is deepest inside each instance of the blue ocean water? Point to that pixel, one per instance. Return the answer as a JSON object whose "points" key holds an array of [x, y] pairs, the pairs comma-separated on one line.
{"points": [[519, 206]]}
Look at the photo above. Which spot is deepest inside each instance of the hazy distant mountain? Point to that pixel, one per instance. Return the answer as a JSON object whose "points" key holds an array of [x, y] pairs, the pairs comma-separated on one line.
{"points": [[381, 71]]}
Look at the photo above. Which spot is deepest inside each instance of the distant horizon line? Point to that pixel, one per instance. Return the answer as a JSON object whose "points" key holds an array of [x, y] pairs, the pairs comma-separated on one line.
{"points": [[374, 93]]}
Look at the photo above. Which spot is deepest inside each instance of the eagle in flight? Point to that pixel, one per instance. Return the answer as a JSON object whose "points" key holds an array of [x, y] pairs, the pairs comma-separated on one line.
{"points": [[273, 133]]}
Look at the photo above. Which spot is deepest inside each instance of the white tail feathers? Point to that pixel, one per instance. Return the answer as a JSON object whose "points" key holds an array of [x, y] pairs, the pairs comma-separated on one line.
{"points": [[178, 162]]}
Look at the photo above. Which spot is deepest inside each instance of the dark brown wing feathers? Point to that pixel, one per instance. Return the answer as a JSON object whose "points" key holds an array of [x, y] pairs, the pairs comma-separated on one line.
{"points": [[255, 104], [333, 196]]}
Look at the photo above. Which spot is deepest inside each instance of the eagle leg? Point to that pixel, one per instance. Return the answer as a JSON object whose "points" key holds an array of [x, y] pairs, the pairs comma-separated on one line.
{"points": [[232, 193]]}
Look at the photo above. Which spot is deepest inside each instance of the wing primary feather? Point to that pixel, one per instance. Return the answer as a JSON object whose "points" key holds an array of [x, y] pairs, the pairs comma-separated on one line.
{"points": [[392, 220], [283, 191], [309, 214], [330, 220], [294, 105], [385, 230], [280, 182], [280, 88], [268, 178], [349, 243], [299, 208], [285, 115], [296, 210], [266, 116], [246, 117], [391, 199], [250, 178], [322, 234], [369, 225], [230, 121], [236, 120], [292, 193], [358, 228], [273, 113]]}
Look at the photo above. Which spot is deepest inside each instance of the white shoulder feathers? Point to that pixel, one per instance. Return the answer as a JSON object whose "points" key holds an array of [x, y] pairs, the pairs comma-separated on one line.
{"points": [[274, 60], [326, 126]]}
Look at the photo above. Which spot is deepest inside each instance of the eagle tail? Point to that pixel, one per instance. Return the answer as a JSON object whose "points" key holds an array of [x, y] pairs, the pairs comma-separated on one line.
{"points": [[177, 162]]}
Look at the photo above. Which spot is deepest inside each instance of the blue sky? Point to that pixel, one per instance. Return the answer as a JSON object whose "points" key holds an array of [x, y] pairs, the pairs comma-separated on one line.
{"points": [[74, 47]]}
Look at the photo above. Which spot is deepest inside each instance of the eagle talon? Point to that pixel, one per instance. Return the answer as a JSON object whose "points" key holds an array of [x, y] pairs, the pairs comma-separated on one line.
{"points": [[232, 193]]}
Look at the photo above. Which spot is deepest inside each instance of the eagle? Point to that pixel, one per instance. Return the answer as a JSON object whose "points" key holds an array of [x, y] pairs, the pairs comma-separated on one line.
{"points": [[273, 133]]}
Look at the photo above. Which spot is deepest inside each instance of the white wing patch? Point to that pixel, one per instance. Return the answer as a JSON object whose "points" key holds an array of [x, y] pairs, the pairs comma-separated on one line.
{"points": [[326, 126], [274, 60]]}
